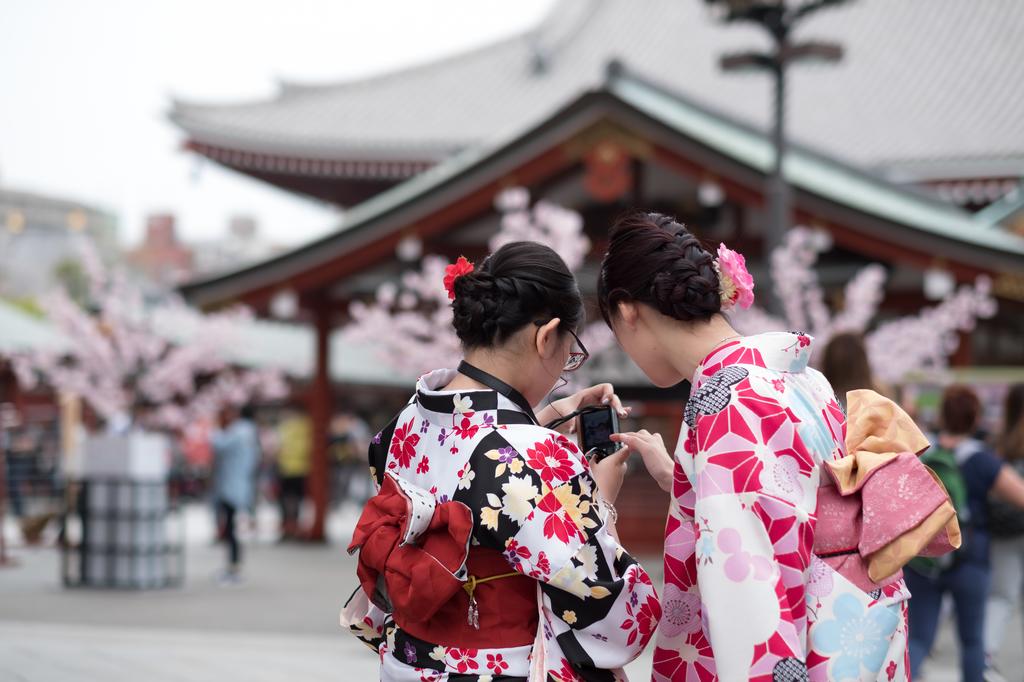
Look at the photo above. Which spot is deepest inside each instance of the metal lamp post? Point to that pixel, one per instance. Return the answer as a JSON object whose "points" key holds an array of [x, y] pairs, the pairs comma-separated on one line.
{"points": [[778, 18]]}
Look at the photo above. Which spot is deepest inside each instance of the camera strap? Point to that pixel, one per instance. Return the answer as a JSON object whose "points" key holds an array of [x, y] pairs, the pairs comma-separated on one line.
{"points": [[496, 384]]}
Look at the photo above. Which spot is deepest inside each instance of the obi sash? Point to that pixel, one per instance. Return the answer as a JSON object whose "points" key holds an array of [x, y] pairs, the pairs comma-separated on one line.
{"points": [[879, 506], [416, 564]]}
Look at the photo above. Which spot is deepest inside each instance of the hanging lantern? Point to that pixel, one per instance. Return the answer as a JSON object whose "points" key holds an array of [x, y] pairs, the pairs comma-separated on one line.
{"points": [[609, 173], [284, 305], [15, 222], [409, 249], [938, 283], [710, 194], [77, 220]]}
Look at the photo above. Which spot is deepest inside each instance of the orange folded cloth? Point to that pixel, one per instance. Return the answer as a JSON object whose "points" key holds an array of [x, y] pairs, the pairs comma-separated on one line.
{"points": [[880, 506]]}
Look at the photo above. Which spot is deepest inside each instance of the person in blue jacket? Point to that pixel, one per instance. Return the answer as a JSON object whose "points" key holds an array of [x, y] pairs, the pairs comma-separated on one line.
{"points": [[236, 453]]}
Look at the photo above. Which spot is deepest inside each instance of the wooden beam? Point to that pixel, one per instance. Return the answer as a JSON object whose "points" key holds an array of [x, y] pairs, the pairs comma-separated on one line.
{"points": [[886, 252], [963, 355], [320, 409], [733, 190]]}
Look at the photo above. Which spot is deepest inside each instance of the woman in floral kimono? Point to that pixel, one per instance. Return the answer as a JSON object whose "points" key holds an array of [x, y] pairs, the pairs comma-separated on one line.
{"points": [[490, 551], [744, 597]]}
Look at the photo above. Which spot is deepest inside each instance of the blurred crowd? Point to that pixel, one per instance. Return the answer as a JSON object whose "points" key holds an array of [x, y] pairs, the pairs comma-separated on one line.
{"points": [[247, 457], [281, 452], [981, 464], [30, 475]]}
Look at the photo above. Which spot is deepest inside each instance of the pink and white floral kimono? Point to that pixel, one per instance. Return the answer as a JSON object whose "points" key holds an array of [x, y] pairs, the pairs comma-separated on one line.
{"points": [[565, 601], [745, 598]]}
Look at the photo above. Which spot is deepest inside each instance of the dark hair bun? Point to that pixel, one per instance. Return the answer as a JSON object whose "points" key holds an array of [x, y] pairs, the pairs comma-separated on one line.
{"points": [[655, 260], [519, 283]]}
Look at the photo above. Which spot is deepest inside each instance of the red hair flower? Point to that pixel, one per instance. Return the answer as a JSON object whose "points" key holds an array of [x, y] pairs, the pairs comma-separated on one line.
{"points": [[453, 272]]}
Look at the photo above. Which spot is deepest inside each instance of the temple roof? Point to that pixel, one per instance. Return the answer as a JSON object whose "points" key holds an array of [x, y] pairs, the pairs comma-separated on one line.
{"points": [[927, 88], [896, 217]]}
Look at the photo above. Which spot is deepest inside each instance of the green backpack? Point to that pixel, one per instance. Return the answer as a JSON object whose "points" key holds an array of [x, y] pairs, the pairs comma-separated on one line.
{"points": [[942, 462]]}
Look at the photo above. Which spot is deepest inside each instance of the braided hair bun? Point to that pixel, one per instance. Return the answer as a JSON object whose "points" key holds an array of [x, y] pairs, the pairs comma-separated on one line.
{"points": [[655, 260], [518, 284]]}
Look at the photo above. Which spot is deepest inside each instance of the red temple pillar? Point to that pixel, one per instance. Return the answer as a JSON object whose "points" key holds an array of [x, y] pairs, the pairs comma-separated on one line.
{"points": [[320, 409], [963, 354]]}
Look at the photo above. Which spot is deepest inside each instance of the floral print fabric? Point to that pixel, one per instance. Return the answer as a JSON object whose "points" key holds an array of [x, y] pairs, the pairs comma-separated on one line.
{"points": [[744, 597], [533, 499]]}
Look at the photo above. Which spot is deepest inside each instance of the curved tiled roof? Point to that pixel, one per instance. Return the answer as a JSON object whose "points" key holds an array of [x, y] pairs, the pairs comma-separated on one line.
{"points": [[896, 215], [925, 86]]}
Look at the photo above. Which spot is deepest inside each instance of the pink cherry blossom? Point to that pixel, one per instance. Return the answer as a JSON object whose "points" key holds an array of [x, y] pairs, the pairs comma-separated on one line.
{"points": [[127, 353], [413, 339], [920, 343]]}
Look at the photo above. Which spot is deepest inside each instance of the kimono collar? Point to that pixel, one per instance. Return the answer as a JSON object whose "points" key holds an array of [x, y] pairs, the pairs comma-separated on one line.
{"points": [[778, 351], [433, 399]]}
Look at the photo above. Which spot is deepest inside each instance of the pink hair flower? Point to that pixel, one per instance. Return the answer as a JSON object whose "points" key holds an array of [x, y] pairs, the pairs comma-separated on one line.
{"points": [[735, 285]]}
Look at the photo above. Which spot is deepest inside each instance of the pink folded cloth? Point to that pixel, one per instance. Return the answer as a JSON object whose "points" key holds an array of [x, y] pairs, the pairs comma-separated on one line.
{"points": [[879, 506]]}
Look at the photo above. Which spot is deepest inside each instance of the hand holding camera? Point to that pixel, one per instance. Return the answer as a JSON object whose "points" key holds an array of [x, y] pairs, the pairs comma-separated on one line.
{"points": [[651, 447]]}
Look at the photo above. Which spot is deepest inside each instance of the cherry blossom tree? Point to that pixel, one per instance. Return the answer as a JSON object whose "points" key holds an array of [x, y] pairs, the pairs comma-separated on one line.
{"points": [[409, 323], [118, 363], [917, 343]]}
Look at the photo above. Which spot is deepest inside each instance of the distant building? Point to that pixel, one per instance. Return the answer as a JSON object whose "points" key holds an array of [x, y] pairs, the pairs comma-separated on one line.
{"points": [[161, 257], [242, 245], [38, 237], [167, 260]]}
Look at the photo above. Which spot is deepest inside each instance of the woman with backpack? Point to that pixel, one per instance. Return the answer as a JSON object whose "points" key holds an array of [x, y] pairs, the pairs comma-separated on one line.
{"points": [[1006, 523], [970, 472]]}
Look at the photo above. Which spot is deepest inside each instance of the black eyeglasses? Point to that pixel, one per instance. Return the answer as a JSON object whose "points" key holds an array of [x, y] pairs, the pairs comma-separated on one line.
{"points": [[576, 357]]}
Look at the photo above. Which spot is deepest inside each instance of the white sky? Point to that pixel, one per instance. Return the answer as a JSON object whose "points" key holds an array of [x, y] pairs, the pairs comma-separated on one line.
{"points": [[85, 86]]}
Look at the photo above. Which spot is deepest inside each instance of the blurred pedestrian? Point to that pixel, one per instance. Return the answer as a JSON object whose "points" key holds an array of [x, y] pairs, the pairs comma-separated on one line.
{"points": [[1006, 523], [293, 462], [970, 471], [349, 442], [22, 458], [236, 454], [845, 364], [8, 420], [270, 445], [198, 456]]}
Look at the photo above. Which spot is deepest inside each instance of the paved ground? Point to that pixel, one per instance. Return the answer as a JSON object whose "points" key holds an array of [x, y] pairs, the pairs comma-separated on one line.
{"points": [[281, 624]]}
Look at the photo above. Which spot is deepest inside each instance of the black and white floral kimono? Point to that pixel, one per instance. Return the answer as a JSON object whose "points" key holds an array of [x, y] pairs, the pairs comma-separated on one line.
{"points": [[591, 607]]}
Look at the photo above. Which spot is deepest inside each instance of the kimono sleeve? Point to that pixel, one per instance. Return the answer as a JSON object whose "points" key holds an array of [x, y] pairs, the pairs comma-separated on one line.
{"points": [[359, 616], [377, 454], [752, 481], [599, 607], [364, 620]]}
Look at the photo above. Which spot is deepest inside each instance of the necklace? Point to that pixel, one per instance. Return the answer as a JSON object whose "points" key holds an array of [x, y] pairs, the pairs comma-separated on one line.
{"points": [[714, 348], [728, 338]]}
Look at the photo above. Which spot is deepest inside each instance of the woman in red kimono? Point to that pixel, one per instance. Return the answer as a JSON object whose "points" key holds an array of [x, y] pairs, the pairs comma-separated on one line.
{"points": [[490, 551]]}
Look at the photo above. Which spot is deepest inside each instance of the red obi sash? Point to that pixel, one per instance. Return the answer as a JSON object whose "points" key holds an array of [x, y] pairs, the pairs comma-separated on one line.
{"points": [[415, 562], [507, 609]]}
